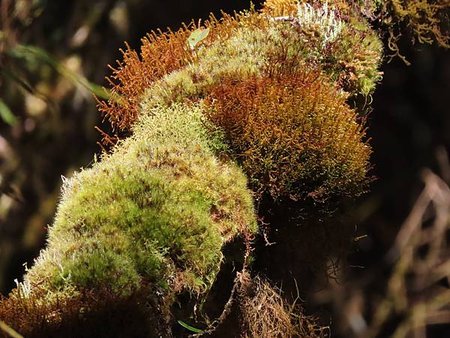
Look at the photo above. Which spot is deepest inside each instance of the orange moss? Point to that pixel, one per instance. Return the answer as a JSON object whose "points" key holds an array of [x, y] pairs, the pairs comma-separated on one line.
{"points": [[293, 134], [277, 8], [161, 53]]}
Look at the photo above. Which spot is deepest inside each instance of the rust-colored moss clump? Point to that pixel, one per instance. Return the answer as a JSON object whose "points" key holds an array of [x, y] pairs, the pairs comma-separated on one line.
{"points": [[279, 8], [161, 53], [294, 135]]}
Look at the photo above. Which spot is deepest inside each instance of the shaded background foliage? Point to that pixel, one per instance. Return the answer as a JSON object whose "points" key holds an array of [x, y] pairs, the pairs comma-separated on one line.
{"points": [[47, 129]]}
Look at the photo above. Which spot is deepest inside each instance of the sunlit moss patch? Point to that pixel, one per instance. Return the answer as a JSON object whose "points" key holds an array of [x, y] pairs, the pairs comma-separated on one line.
{"points": [[293, 135]]}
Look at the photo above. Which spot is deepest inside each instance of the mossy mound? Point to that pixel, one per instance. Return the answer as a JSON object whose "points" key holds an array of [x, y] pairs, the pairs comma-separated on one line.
{"points": [[260, 51], [155, 212], [294, 136], [336, 38], [267, 89]]}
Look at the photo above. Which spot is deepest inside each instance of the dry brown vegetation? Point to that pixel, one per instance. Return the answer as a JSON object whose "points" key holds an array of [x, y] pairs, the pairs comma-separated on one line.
{"points": [[266, 314], [426, 20]]}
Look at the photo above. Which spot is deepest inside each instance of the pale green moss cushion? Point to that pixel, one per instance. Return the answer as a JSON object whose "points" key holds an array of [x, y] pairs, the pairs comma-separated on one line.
{"points": [[159, 208]]}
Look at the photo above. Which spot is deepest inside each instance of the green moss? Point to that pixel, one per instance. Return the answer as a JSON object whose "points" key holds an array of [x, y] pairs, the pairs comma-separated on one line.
{"points": [[158, 209], [239, 56], [97, 265]]}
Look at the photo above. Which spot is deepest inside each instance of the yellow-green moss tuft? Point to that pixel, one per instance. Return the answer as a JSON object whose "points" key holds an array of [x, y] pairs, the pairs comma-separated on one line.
{"points": [[333, 34]]}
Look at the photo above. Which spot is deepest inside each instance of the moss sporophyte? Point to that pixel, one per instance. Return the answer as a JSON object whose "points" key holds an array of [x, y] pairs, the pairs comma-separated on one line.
{"points": [[220, 116]]}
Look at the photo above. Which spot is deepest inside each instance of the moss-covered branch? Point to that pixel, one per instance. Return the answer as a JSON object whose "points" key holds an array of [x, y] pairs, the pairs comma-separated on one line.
{"points": [[247, 108]]}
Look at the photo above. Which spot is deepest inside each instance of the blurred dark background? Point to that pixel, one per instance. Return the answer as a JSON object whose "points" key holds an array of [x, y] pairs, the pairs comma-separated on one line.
{"points": [[50, 49]]}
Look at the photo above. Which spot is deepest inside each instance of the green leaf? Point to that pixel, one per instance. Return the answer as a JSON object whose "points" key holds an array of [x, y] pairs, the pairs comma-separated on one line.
{"points": [[6, 114], [188, 327], [197, 36]]}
